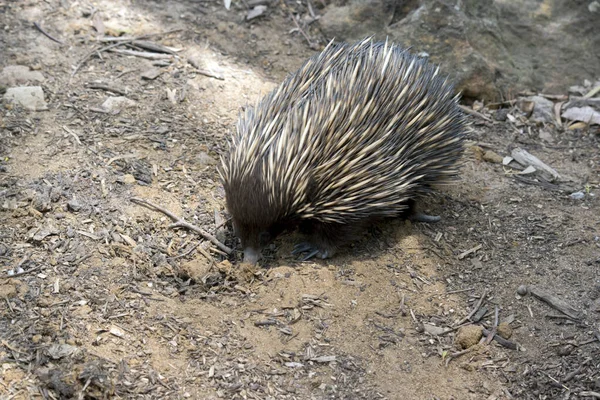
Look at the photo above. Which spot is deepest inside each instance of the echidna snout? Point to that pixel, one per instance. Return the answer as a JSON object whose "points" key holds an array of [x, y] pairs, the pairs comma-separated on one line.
{"points": [[352, 137]]}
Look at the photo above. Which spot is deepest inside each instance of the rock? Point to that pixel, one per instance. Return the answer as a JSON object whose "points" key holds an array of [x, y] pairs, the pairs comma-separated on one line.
{"points": [[504, 330], [577, 195], [502, 114], [58, 351], [39, 234], [256, 12], [492, 157], [490, 47], [151, 74], [41, 202], [127, 179], [468, 336], [118, 103], [584, 114], [74, 205], [13, 75], [542, 109], [433, 330], [29, 97]]}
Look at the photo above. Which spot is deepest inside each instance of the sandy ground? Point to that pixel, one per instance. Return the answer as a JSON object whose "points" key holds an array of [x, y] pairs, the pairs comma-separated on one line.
{"points": [[113, 303]]}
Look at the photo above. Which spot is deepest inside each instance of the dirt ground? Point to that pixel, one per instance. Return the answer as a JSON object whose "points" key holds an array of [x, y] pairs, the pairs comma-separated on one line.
{"points": [[109, 301]]}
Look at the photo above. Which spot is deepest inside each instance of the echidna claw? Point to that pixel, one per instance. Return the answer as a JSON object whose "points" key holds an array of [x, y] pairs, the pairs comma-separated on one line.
{"points": [[420, 217], [311, 249], [310, 255], [302, 247]]}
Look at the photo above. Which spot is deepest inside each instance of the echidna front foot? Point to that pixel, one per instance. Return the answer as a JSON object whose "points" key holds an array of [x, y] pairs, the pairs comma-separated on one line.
{"points": [[311, 250]]}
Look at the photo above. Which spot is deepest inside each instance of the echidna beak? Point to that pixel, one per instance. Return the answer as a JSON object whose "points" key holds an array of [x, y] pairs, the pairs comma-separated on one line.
{"points": [[251, 256]]}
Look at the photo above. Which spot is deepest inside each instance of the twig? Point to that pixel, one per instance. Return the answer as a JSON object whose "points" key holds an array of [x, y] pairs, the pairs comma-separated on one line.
{"points": [[103, 86], [472, 250], [310, 43], [402, 308], [70, 132], [39, 28], [501, 341], [590, 394], [9, 305], [209, 74], [459, 290], [25, 272], [186, 253], [142, 54], [468, 317], [572, 374], [131, 39], [494, 330], [180, 222], [551, 300], [475, 113], [557, 382], [91, 53], [412, 314], [455, 328], [456, 355]]}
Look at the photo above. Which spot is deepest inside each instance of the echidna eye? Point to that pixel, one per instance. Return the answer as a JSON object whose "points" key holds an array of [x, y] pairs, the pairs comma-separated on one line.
{"points": [[264, 238]]}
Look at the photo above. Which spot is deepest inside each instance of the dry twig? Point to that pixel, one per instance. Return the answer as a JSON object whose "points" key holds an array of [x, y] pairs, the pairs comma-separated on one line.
{"points": [[39, 28], [468, 317], [180, 222]]}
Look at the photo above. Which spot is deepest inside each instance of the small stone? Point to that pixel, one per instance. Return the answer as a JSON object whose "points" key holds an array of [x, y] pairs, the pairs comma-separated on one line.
{"points": [[74, 205], [41, 202], [542, 109], [116, 331], [584, 114], [565, 350], [492, 157], [151, 74], [256, 12], [29, 97], [504, 330], [468, 336], [433, 330], [58, 351], [502, 114], [577, 195], [127, 179], [117, 103]]}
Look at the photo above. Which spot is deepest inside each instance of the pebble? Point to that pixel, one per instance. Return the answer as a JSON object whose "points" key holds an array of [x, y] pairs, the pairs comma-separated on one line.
{"points": [[74, 205], [29, 97], [117, 103], [577, 195]]}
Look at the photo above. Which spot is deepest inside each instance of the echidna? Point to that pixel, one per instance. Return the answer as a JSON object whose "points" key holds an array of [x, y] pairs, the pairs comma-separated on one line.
{"points": [[356, 134]]}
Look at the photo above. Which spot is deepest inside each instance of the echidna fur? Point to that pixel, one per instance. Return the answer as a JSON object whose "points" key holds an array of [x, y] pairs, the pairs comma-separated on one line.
{"points": [[358, 132]]}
